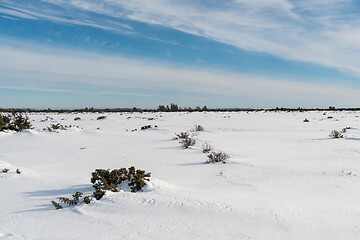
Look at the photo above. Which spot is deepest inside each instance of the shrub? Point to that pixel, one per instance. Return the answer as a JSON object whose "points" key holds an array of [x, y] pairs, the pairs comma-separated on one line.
{"points": [[109, 180], [56, 205], [207, 148], [5, 170], [101, 117], [55, 127], [306, 120], [345, 129], [75, 200], [183, 135], [98, 194], [20, 122], [137, 179], [336, 134], [18, 171], [199, 128], [145, 127], [187, 142], [15, 122], [217, 157], [87, 199], [77, 119]]}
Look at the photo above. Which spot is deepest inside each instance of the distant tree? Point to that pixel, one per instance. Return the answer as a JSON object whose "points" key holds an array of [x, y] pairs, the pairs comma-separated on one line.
{"points": [[174, 107], [162, 108], [205, 108]]}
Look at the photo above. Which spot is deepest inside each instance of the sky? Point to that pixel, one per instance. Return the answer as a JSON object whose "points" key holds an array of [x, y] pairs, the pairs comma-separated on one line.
{"points": [[142, 53]]}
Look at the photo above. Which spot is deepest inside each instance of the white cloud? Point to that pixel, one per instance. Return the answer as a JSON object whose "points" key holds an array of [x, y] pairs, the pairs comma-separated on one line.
{"points": [[108, 72]]}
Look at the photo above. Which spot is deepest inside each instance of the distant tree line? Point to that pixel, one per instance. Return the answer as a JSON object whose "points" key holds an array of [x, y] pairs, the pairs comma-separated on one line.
{"points": [[174, 108]]}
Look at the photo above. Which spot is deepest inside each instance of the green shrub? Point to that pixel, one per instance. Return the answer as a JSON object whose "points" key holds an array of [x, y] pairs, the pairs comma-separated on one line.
{"points": [[109, 180], [15, 122], [5, 170], [74, 201], [136, 179], [18, 171], [56, 205], [87, 199], [98, 194]]}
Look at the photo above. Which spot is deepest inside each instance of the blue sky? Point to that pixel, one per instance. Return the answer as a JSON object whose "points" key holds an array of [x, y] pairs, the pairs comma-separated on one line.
{"points": [[239, 53]]}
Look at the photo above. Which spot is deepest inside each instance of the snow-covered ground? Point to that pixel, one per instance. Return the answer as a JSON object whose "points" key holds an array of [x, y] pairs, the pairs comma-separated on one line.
{"points": [[286, 179]]}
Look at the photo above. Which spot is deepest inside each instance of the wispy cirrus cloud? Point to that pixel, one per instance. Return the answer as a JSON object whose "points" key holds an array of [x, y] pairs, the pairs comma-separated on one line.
{"points": [[319, 32]]}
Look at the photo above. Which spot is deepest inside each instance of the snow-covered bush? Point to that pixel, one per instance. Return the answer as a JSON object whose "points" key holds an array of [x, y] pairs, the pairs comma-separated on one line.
{"points": [[187, 142], [215, 157], [77, 119], [101, 117]]}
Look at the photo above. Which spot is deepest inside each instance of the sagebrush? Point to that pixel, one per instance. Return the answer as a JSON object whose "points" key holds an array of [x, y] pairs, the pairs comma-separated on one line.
{"points": [[215, 157]]}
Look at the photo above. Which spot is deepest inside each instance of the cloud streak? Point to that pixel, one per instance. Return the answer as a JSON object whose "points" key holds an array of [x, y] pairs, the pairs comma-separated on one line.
{"points": [[117, 73]]}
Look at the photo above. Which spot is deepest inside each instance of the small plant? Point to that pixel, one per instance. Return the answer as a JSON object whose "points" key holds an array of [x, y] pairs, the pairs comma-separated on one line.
{"points": [[187, 142], [206, 148], [146, 127], [183, 135], [101, 117], [98, 194], [5, 170], [74, 201], [77, 119], [345, 129], [199, 128], [18, 171], [306, 120], [56, 205], [217, 157], [336, 134], [87, 199]]}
